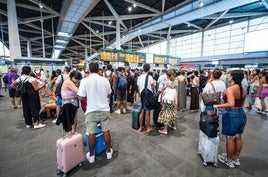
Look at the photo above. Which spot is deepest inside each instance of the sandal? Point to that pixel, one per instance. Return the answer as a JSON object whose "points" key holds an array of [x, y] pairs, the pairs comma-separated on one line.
{"points": [[163, 132]]}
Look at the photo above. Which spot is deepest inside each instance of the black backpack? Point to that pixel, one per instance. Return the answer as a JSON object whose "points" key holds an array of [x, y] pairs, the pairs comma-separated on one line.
{"points": [[5, 79], [58, 88], [147, 97], [21, 90], [209, 124]]}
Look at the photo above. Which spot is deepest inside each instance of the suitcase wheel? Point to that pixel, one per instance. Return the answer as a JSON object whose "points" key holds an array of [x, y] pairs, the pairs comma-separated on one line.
{"points": [[205, 164], [58, 172], [215, 165], [80, 164]]}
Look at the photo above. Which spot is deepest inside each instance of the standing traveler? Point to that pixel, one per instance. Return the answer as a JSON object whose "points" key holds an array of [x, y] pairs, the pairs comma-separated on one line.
{"points": [[11, 77], [233, 118], [263, 91], [60, 79], [150, 86], [254, 87], [182, 90], [168, 98], [121, 90], [97, 110], [194, 81], [109, 75], [31, 100], [70, 102]]}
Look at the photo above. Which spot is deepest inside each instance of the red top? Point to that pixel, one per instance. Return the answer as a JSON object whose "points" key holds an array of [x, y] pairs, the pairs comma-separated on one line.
{"points": [[238, 102]]}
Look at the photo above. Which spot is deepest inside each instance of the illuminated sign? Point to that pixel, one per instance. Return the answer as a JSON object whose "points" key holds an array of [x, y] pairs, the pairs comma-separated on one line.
{"points": [[122, 56], [165, 59]]}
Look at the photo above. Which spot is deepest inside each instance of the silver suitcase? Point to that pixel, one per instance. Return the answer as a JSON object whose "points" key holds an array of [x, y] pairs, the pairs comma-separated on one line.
{"points": [[208, 149]]}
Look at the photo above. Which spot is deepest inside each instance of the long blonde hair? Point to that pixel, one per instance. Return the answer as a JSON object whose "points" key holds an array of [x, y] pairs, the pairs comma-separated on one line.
{"points": [[170, 75]]}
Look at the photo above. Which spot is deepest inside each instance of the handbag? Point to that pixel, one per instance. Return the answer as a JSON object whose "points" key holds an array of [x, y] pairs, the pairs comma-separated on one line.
{"points": [[211, 99]]}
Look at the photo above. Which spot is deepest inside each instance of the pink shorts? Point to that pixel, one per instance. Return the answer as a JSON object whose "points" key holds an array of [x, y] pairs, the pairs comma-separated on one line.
{"points": [[264, 92]]}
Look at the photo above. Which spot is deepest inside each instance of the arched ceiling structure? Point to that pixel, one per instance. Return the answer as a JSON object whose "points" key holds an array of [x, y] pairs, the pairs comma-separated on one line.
{"points": [[91, 24]]}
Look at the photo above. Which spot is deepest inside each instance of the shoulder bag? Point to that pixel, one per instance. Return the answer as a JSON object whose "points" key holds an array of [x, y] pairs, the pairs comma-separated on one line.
{"points": [[211, 99]]}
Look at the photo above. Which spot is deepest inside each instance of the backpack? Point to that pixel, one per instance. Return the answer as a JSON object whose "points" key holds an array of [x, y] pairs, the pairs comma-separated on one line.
{"points": [[5, 79], [147, 96], [21, 89], [121, 83], [58, 88], [109, 77], [37, 75]]}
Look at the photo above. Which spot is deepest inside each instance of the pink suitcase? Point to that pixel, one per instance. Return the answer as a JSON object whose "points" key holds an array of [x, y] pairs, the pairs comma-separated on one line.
{"points": [[69, 152]]}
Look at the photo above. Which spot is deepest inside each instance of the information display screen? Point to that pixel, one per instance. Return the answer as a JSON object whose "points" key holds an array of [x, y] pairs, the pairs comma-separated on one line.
{"points": [[165, 59], [122, 56]]}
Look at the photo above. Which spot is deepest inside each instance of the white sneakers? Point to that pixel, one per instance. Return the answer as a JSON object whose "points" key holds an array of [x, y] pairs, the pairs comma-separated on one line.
{"points": [[117, 111], [109, 154], [39, 126], [91, 159]]}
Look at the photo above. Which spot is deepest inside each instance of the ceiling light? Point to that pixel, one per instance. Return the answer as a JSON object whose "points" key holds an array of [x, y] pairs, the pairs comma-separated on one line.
{"points": [[231, 21], [189, 25], [59, 47], [134, 5], [61, 41], [40, 5], [201, 3], [97, 31], [129, 8], [110, 22], [64, 34]]}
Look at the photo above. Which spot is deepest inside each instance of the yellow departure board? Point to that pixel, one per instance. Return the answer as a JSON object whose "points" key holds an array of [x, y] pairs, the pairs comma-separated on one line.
{"points": [[122, 56]]}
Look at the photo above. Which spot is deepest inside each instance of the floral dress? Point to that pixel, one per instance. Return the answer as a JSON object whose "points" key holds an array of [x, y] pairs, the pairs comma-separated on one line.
{"points": [[168, 112]]}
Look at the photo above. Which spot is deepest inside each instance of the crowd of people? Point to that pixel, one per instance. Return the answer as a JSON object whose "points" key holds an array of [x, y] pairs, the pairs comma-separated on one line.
{"points": [[102, 91]]}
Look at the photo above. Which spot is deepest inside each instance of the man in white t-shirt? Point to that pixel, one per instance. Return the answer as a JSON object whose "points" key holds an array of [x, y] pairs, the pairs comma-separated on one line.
{"points": [[150, 86], [161, 80], [96, 90]]}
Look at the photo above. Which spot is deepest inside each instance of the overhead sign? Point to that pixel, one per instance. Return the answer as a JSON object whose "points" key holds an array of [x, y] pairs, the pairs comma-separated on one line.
{"points": [[122, 56], [165, 59]]}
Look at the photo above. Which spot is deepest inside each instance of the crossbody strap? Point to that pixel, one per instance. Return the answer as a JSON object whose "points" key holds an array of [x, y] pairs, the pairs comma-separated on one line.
{"points": [[212, 87], [146, 81]]}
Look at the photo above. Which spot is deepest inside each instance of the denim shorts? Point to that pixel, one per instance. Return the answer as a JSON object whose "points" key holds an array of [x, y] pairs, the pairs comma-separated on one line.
{"points": [[59, 101], [233, 121]]}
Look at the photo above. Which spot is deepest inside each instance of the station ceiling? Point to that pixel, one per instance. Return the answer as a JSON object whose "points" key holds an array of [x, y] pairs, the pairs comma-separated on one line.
{"points": [[91, 24]]}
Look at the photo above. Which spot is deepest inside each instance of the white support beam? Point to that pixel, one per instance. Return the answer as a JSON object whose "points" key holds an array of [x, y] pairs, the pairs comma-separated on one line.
{"points": [[94, 32], [45, 7], [136, 16], [215, 20], [38, 38], [144, 6], [83, 45], [35, 8], [100, 23], [33, 19], [140, 41], [193, 25], [236, 15], [173, 32], [163, 6], [101, 18], [115, 14], [156, 36]]}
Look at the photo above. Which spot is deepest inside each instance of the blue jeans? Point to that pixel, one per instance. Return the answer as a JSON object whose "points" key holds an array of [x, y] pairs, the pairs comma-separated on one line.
{"points": [[233, 121]]}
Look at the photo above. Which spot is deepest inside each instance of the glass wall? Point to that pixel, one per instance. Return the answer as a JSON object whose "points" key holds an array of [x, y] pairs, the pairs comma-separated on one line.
{"points": [[224, 40]]}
